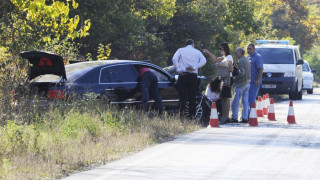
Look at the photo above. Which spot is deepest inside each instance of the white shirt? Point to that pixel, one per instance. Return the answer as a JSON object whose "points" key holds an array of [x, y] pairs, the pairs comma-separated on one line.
{"points": [[188, 57], [212, 96]]}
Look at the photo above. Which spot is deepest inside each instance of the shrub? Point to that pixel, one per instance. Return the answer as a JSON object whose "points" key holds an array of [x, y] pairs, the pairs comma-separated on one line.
{"points": [[77, 124]]}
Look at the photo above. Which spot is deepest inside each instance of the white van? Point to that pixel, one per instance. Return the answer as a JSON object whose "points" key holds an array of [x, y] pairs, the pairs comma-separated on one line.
{"points": [[282, 68]]}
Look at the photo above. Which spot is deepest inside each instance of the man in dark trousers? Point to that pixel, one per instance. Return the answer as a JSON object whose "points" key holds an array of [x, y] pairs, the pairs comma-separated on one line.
{"points": [[149, 84], [187, 61]]}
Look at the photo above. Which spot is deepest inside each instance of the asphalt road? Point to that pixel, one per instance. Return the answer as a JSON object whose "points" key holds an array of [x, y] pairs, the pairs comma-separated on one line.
{"points": [[273, 150]]}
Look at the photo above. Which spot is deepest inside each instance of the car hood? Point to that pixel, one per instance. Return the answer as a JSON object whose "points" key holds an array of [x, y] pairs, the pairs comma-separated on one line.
{"points": [[44, 63]]}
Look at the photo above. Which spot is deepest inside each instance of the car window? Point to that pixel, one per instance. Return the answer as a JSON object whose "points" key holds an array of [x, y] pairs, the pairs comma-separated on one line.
{"points": [[305, 67], [276, 55], [118, 73], [160, 75]]}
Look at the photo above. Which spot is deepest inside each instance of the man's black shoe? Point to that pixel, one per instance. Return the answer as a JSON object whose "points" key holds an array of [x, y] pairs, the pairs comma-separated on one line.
{"points": [[224, 122], [232, 120], [244, 121]]}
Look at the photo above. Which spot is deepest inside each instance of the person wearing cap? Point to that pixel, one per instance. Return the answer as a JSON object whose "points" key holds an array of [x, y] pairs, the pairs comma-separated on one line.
{"points": [[187, 61]]}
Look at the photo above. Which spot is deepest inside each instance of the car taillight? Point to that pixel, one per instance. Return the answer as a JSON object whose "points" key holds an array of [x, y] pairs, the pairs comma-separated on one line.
{"points": [[56, 94]]}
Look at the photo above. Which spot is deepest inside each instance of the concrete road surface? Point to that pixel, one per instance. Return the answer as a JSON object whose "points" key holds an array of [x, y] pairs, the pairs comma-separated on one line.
{"points": [[274, 150]]}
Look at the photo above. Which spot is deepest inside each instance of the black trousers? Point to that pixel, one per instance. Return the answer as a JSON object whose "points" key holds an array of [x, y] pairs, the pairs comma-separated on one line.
{"points": [[187, 87], [149, 85]]}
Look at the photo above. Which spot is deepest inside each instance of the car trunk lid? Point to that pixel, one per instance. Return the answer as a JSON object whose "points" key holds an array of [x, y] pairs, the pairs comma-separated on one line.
{"points": [[44, 63]]}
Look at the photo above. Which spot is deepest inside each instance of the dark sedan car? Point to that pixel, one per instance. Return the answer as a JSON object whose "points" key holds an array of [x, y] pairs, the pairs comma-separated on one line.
{"points": [[116, 81]]}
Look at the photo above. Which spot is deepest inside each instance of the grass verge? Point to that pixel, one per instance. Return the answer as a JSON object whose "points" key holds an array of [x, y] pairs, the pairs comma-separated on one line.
{"points": [[66, 139]]}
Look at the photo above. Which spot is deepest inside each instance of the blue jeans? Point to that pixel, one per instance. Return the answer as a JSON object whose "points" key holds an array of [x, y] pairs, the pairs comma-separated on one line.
{"points": [[253, 93], [244, 93]]}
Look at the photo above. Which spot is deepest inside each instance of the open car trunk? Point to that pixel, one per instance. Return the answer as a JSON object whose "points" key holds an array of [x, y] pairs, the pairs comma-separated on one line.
{"points": [[41, 64]]}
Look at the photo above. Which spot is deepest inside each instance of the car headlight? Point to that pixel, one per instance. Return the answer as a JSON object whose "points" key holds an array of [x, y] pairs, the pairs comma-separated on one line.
{"points": [[288, 74]]}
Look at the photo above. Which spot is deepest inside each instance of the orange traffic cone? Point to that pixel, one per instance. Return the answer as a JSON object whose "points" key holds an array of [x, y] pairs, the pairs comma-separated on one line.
{"points": [[291, 119], [253, 120], [214, 121], [271, 114], [265, 105], [268, 100], [259, 107]]}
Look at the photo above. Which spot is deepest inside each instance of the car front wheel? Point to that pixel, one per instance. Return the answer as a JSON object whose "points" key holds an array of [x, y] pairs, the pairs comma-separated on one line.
{"points": [[310, 91]]}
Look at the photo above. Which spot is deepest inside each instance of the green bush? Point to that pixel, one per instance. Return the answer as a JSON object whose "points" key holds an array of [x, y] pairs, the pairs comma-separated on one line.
{"points": [[76, 124], [17, 138]]}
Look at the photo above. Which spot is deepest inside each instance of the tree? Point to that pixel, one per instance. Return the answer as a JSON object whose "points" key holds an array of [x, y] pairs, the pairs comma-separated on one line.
{"points": [[41, 24], [289, 18], [128, 26]]}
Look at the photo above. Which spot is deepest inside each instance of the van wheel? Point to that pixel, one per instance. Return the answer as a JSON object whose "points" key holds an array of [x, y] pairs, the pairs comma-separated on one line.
{"points": [[299, 95], [296, 95], [310, 91], [293, 95]]}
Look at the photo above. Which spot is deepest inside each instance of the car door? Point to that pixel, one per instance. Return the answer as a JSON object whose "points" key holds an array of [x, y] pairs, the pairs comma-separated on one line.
{"points": [[298, 69], [168, 91], [120, 82]]}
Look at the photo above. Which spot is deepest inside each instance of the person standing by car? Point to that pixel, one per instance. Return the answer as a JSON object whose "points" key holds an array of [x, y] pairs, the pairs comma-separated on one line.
{"points": [[242, 85], [256, 69], [227, 81], [149, 83], [187, 61]]}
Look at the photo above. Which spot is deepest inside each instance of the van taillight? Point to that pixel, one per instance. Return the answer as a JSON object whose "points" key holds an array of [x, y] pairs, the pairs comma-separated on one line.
{"points": [[56, 94]]}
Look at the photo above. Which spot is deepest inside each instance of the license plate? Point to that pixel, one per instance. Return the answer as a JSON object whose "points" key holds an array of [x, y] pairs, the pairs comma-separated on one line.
{"points": [[269, 86]]}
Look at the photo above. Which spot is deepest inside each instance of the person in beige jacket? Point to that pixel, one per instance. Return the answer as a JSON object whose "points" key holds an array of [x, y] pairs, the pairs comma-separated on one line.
{"points": [[242, 85]]}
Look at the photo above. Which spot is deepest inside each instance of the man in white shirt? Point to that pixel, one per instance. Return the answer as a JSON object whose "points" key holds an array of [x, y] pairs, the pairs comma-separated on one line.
{"points": [[187, 61]]}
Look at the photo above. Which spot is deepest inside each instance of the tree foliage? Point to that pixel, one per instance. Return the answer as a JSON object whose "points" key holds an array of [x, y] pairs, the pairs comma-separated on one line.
{"points": [[152, 30], [35, 24]]}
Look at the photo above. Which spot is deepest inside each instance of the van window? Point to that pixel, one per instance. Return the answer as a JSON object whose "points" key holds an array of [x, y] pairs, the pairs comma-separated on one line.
{"points": [[276, 55], [305, 67]]}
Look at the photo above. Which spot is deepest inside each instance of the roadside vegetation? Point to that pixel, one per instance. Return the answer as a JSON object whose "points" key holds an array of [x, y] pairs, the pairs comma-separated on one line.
{"points": [[60, 140], [47, 143]]}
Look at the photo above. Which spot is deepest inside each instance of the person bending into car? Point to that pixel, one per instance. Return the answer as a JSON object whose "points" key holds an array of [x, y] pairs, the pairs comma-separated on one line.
{"points": [[149, 86], [187, 61]]}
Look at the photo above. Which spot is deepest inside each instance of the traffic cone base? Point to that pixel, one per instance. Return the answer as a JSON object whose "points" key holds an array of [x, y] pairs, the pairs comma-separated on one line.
{"points": [[253, 120], [259, 107], [291, 118], [214, 120], [265, 105], [271, 113]]}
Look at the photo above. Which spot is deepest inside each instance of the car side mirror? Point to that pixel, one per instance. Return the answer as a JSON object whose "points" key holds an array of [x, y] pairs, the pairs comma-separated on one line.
{"points": [[314, 70], [300, 61]]}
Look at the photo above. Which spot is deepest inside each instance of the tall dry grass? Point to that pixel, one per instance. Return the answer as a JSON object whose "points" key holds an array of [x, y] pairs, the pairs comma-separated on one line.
{"points": [[63, 139]]}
